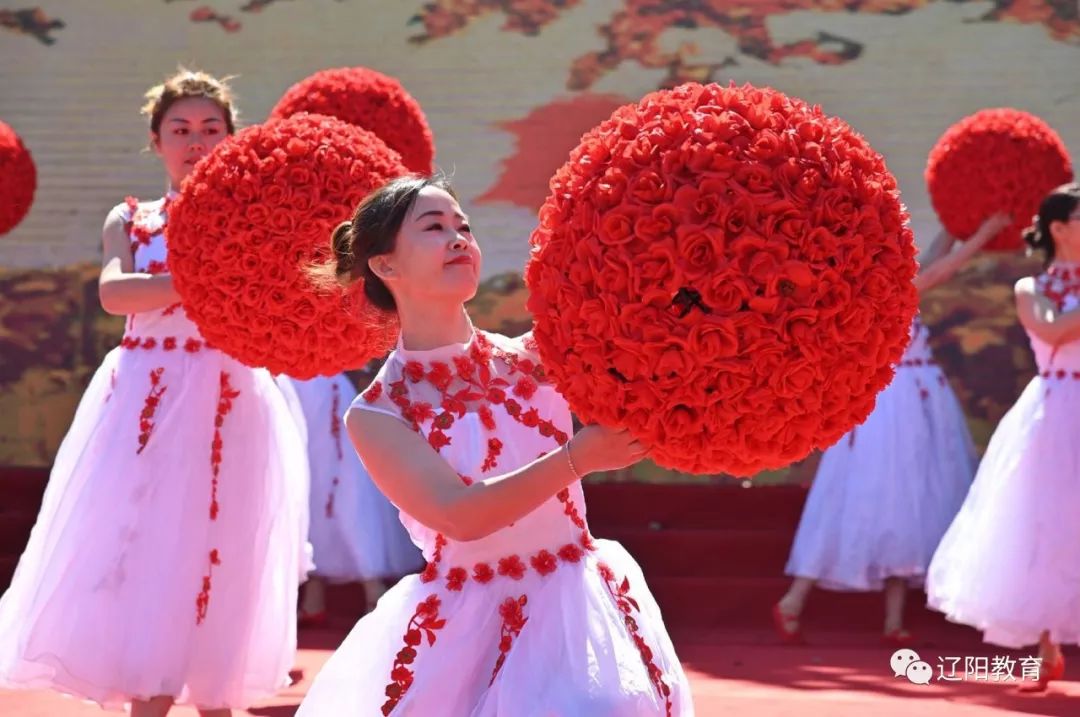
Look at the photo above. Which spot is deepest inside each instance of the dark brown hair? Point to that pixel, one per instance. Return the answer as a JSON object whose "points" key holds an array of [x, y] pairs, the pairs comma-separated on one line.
{"points": [[1057, 206], [182, 85], [371, 232]]}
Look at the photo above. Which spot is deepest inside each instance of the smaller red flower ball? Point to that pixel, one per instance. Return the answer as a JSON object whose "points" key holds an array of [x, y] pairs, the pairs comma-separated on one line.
{"points": [[18, 179], [725, 271], [370, 99], [995, 160], [251, 217]]}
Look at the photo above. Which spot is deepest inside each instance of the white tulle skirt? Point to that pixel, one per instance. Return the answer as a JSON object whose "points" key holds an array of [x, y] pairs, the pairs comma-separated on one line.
{"points": [[574, 656], [885, 493], [1010, 563], [128, 588]]}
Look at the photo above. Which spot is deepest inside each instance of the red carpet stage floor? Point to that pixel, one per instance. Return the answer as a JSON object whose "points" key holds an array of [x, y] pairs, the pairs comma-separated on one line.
{"points": [[743, 672]]}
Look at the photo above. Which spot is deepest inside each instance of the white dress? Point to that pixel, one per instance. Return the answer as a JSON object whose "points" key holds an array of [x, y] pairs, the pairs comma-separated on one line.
{"points": [[1010, 563], [165, 558], [886, 492], [536, 619], [354, 530]]}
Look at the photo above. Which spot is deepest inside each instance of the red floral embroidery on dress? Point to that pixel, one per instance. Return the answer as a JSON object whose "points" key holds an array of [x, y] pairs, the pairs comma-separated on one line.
{"points": [[1060, 374], [202, 601], [171, 309], [1058, 283], [153, 399], [226, 394], [330, 498], [335, 432], [371, 395], [141, 233], [512, 567], [157, 267], [924, 394], [132, 207], [494, 449], [455, 578], [512, 612], [544, 562], [112, 385], [570, 553], [570, 509], [168, 343], [482, 383], [627, 606], [431, 570], [487, 418], [424, 622], [482, 573]]}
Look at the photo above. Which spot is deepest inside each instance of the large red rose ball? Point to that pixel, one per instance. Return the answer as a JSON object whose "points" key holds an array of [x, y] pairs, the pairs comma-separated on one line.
{"points": [[18, 179], [725, 271], [251, 217], [370, 99], [992, 161]]}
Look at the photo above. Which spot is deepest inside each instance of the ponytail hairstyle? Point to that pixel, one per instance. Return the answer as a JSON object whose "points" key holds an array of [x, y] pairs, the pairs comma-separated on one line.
{"points": [[372, 232], [1057, 206]]}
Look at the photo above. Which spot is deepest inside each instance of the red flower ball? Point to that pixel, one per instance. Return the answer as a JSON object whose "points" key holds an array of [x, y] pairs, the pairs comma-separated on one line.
{"points": [[18, 179], [995, 160], [371, 100], [725, 271], [251, 217]]}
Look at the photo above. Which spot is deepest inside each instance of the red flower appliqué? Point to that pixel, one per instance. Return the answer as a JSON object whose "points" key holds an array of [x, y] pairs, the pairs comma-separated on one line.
{"points": [[202, 601], [424, 623], [628, 606], [494, 449], [153, 399], [512, 612], [226, 394]]}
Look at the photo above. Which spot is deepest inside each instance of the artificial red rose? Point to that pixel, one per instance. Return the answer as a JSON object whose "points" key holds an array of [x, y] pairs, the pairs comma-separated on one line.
{"points": [[254, 300], [257, 214], [996, 160], [699, 247], [715, 337], [368, 99], [18, 179], [617, 227], [648, 188], [702, 276], [274, 195]]}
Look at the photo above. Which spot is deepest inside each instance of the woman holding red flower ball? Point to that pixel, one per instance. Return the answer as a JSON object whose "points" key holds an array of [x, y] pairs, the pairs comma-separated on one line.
{"points": [[519, 612], [1008, 564], [165, 560], [885, 493]]}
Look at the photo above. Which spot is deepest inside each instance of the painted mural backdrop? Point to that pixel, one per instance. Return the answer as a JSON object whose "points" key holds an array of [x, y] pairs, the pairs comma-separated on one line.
{"points": [[508, 87]]}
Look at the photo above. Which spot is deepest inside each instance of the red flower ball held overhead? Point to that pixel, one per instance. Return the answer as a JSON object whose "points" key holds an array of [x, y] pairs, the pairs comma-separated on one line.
{"points": [[370, 99], [995, 160], [18, 179], [727, 272], [249, 220]]}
